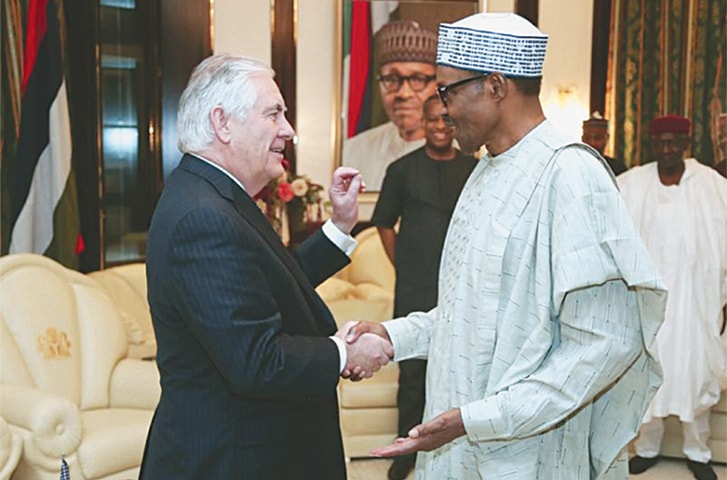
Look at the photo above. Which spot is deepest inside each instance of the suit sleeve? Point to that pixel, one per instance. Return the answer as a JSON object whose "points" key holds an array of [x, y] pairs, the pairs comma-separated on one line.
{"points": [[231, 292], [319, 258]]}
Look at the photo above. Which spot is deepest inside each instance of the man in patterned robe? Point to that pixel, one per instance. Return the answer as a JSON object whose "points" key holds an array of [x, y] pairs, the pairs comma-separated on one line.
{"points": [[539, 349]]}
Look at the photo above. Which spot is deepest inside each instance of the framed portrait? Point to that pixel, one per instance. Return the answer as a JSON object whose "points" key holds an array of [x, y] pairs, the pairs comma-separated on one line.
{"points": [[386, 56]]}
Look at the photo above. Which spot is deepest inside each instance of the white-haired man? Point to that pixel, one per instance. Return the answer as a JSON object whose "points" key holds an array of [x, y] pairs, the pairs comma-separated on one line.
{"points": [[247, 367]]}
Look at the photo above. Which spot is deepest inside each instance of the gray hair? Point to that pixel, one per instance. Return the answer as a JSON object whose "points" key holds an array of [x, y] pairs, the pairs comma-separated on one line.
{"points": [[219, 80]]}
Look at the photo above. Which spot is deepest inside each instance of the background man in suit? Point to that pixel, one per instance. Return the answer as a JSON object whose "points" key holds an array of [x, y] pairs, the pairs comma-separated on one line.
{"points": [[248, 371], [595, 134]]}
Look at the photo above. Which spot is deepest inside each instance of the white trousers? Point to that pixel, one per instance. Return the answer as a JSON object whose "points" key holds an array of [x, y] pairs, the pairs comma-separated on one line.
{"points": [[696, 435]]}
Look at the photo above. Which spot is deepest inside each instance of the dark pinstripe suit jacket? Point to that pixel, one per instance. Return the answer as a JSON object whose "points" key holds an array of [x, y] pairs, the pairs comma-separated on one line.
{"points": [[248, 376]]}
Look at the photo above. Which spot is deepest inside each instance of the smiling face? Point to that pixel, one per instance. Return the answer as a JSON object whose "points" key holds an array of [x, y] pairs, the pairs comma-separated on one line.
{"points": [[472, 110], [258, 141], [404, 105], [668, 148], [438, 134]]}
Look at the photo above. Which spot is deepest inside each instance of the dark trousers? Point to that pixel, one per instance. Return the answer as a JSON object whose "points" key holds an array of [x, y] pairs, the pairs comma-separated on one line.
{"points": [[410, 398]]}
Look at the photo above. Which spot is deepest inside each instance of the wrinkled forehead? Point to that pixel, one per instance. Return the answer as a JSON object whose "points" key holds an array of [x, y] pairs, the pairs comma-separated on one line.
{"points": [[433, 106], [407, 68], [268, 93], [669, 137], [446, 74]]}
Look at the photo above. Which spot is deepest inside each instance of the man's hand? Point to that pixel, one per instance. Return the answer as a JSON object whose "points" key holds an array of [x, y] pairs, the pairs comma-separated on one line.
{"points": [[427, 436], [353, 331], [366, 355], [347, 183], [356, 329]]}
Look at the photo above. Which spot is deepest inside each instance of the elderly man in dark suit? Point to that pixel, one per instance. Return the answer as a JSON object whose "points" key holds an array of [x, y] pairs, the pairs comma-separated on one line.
{"points": [[246, 348]]}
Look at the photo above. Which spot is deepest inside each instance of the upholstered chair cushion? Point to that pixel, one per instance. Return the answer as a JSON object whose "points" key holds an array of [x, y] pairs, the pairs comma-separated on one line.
{"points": [[126, 286], [334, 289]]}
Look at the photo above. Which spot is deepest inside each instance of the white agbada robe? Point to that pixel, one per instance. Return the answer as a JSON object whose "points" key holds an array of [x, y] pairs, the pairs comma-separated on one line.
{"points": [[536, 335], [372, 150], [684, 228]]}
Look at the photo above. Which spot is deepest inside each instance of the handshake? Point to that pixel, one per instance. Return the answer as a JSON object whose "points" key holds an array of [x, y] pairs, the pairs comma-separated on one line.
{"points": [[368, 348]]}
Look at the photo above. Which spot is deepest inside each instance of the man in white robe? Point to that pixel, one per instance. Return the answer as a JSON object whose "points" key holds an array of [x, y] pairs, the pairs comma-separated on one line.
{"points": [[539, 361], [679, 207]]}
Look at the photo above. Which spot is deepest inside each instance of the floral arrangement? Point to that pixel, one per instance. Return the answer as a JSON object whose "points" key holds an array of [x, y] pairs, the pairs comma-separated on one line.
{"points": [[295, 196]]}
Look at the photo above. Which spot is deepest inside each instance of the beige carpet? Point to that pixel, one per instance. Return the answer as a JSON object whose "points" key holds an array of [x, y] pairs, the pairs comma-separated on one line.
{"points": [[666, 469]]}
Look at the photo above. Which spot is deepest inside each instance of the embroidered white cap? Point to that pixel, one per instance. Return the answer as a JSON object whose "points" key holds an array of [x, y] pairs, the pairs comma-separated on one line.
{"points": [[493, 42]]}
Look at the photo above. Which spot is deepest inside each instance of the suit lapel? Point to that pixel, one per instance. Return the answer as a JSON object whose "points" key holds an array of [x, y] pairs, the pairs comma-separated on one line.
{"points": [[250, 212]]}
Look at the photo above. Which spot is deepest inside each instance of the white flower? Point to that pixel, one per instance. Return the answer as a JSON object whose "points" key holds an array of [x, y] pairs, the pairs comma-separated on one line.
{"points": [[300, 186]]}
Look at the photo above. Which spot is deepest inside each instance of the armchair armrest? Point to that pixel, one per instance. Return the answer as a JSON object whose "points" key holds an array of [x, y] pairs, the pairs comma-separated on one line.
{"points": [[11, 447], [53, 421], [135, 384]]}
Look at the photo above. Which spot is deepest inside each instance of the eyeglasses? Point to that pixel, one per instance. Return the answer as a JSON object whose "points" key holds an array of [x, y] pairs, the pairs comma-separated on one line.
{"points": [[393, 82], [445, 91]]}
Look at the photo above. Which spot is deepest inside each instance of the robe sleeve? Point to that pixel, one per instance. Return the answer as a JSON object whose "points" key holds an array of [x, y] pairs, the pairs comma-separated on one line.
{"points": [[607, 302], [410, 335], [599, 337]]}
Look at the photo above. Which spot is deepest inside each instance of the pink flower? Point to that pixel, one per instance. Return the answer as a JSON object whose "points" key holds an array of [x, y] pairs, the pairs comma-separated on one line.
{"points": [[286, 165], [285, 192]]}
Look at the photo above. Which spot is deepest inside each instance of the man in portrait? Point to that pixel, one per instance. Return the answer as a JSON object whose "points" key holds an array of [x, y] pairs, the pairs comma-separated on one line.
{"points": [[406, 73]]}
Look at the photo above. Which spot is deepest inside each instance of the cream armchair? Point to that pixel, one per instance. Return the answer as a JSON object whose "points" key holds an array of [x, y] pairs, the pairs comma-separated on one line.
{"points": [[10, 448], [126, 286], [66, 386], [364, 290]]}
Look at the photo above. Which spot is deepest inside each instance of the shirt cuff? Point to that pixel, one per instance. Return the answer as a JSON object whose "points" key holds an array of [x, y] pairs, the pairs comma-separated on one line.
{"points": [[483, 420], [345, 242], [342, 354]]}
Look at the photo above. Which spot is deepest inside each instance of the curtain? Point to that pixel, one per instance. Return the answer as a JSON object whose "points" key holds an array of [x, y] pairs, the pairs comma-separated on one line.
{"points": [[666, 57]]}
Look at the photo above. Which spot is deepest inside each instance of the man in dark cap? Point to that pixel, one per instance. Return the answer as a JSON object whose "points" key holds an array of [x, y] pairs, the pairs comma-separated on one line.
{"points": [[679, 207], [406, 62], [595, 134]]}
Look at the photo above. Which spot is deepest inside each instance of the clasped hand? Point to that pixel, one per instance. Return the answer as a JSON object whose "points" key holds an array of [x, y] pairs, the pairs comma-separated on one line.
{"points": [[366, 352]]}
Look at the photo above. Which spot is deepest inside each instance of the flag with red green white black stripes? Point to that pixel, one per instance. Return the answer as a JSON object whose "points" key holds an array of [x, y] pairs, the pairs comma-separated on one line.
{"points": [[39, 207]]}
